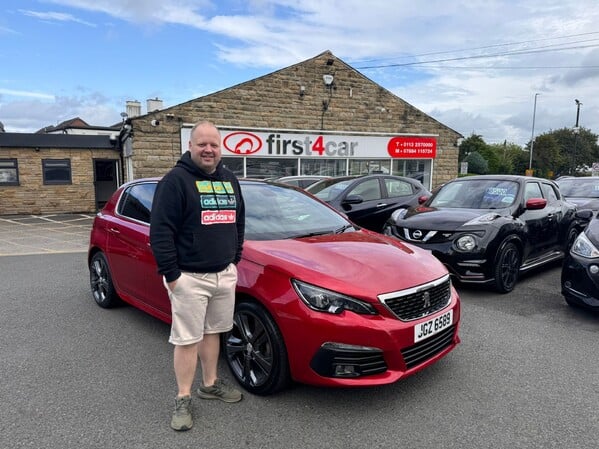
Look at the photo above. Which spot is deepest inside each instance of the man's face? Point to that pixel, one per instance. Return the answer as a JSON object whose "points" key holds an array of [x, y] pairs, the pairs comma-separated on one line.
{"points": [[204, 146]]}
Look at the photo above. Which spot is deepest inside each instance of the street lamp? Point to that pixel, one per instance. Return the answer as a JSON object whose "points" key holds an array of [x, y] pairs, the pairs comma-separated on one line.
{"points": [[532, 136], [576, 131]]}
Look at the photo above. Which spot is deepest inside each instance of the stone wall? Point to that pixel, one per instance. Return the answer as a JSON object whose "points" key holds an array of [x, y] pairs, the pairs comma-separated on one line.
{"points": [[31, 196], [354, 104]]}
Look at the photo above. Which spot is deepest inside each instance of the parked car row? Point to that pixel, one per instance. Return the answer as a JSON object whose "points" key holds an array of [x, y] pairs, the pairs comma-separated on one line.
{"points": [[318, 296]]}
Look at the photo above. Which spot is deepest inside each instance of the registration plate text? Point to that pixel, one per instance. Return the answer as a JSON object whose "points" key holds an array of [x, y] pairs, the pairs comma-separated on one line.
{"points": [[433, 326]]}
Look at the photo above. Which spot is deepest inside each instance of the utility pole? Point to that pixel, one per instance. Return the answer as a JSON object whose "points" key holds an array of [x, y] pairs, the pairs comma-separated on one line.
{"points": [[576, 131], [532, 136]]}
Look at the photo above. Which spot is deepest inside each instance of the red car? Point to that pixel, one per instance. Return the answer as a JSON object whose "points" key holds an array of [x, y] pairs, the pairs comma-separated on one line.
{"points": [[319, 301]]}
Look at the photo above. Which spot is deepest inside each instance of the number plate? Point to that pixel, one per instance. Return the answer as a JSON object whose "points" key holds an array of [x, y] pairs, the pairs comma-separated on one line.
{"points": [[433, 326]]}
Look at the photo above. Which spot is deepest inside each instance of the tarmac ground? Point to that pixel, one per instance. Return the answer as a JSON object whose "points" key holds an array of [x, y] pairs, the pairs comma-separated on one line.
{"points": [[44, 234]]}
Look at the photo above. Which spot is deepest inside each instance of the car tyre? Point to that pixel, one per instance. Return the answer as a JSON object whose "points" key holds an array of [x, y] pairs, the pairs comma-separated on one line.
{"points": [[573, 232], [255, 351], [100, 281], [507, 268]]}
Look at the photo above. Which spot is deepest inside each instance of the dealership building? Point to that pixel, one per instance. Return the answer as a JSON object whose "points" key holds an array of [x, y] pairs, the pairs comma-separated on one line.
{"points": [[320, 116]]}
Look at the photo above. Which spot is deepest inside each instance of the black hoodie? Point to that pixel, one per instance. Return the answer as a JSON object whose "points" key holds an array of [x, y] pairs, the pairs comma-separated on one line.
{"points": [[198, 220]]}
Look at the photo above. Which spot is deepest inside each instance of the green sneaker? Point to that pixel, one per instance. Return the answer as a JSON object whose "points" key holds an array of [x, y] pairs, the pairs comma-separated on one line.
{"points": [[182, 419], [220, 390]]}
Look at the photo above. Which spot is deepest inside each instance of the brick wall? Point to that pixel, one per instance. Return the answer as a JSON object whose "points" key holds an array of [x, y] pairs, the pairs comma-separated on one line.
{"points": [[355, 104], [33, 197]]}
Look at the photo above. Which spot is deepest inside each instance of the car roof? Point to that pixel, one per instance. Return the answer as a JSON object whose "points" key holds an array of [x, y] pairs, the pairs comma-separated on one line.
{"points": [[502, 177], [290, 178]]}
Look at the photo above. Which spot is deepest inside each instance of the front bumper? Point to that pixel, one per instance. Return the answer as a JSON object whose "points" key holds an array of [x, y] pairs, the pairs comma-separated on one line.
{"points": [[580, 281], [357, 350], [468, 267]]}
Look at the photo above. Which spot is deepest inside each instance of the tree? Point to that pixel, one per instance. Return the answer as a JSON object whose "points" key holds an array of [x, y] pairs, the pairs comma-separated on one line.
{"points": [[477, 163], [508, 157], [574, 151], [546, 157], [474, 143]]}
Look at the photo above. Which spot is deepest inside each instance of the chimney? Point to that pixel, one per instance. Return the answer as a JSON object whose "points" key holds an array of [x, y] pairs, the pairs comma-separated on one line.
{"points": [[133, 108], [154, 104]]}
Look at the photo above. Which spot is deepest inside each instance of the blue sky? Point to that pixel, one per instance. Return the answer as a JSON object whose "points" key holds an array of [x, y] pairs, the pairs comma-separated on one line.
{"points": [[473, 65]]}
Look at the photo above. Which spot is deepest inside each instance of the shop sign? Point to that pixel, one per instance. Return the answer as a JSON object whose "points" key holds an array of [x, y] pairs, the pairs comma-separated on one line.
{"points": [[276, 143], [412, 147]]}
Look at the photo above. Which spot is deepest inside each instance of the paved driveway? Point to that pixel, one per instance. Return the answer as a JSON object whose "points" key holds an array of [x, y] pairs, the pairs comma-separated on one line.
{"points": [[42, 234]]}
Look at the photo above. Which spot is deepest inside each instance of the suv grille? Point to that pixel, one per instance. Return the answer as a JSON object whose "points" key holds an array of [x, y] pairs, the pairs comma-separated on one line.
{"points": [[420, 301], [424, 235]]}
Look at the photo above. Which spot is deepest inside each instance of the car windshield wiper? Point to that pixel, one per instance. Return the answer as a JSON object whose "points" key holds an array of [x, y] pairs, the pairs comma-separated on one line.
{"points": [[310, 234], [343, 228]]}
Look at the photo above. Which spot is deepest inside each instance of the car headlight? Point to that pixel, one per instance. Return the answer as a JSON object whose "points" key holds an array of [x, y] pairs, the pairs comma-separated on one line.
{"points": [[483, 219], [583, 247], [324, 300], [466, 243], [398, 214]]}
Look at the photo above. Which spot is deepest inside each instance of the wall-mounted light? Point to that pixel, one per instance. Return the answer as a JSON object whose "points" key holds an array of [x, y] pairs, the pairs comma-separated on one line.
{"points": [[328, 79], [302, 91]]}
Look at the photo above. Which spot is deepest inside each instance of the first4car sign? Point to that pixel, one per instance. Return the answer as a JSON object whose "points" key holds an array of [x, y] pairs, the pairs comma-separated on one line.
{"points": [[285, 144]]}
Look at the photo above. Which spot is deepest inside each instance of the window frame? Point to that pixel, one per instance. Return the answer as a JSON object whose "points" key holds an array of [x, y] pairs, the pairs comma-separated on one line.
{"points": [[67, 166], [7, 168]]}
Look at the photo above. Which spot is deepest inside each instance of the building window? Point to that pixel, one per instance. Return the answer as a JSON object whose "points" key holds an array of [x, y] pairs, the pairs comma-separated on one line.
{"points": [[56, 171], [270, 167], [9, 172], [369, 166]]}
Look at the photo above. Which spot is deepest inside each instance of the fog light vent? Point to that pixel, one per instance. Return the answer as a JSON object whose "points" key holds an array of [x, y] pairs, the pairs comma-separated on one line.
{"points": [[344, 361]]}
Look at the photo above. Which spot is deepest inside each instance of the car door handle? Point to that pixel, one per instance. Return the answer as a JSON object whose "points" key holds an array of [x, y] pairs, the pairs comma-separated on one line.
{"points": [[114, 230], [381, 205]]}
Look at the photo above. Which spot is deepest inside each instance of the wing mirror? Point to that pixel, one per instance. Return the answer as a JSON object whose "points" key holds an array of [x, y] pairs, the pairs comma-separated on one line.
{"points": [[584, 214], [353, 199], [536, 203]]}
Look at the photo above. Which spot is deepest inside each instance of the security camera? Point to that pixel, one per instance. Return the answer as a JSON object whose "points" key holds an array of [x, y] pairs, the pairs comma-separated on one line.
{"points": [[155, 122]]}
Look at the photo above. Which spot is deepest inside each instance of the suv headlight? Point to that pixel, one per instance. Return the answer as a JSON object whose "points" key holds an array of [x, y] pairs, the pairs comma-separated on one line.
{"points": [[399, 214], [583, 247], [483, 219], [466, 242], [324, 300]]}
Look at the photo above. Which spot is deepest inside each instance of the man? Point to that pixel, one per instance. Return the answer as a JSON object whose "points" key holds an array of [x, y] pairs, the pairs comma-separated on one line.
{"points": [[196, 233]]}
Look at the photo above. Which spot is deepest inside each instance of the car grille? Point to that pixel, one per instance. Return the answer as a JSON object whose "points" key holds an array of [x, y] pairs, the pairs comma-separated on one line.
{"points": [[424, 235], [424, 350], [419, 302]]}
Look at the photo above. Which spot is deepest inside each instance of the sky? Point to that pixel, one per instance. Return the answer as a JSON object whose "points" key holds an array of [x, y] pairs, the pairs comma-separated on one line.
{"points": [[505, 70]]}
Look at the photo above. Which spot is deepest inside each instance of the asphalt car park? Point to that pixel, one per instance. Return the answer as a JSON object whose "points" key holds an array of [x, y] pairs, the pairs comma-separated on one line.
{"points": [[74, 375]]}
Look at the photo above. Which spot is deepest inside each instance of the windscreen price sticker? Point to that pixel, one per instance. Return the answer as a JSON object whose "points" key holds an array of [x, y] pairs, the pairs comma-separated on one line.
{"points": [[433, 326]]}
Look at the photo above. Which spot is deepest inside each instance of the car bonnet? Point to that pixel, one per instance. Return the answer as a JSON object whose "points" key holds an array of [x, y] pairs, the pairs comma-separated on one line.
{"points": [[359, 264], [446, 219]]}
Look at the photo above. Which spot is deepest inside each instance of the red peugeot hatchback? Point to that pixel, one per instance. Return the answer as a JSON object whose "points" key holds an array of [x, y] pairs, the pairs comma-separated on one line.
{"points": [[319, 300]]}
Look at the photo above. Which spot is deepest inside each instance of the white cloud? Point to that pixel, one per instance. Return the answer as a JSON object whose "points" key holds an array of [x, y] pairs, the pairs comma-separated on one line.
{"points": [[24, 93], [55, 17]]}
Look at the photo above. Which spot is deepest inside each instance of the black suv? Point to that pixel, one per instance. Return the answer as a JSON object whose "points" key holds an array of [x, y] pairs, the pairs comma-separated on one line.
{"points": [[489, 229]]}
